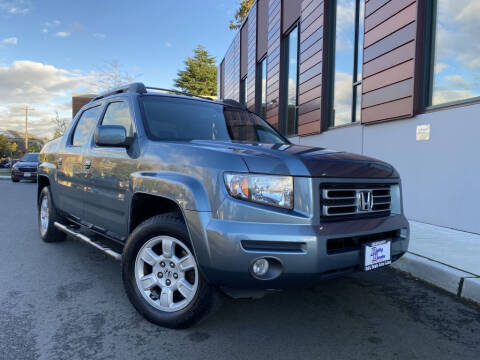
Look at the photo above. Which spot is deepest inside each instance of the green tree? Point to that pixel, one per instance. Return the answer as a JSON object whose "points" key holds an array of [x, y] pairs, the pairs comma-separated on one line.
{"points": [[241, 14], [35, 147], [7, 148], [200, 74]]}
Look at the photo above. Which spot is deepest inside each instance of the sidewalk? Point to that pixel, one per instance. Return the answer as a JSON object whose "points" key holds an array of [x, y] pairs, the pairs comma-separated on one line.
{"points": [[447, 258]]}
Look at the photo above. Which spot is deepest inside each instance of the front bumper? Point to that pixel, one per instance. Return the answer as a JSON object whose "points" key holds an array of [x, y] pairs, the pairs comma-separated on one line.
{"points": [[17, 174], [232, 246]]}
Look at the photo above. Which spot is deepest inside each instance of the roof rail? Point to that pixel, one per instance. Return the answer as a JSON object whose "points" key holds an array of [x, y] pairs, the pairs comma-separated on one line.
{"points": [[137, 88], [178, 92], [232, 102]]}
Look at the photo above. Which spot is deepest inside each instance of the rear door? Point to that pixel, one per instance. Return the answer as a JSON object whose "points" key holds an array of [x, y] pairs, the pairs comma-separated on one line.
{"points": [[71, 167], [107, 197]]}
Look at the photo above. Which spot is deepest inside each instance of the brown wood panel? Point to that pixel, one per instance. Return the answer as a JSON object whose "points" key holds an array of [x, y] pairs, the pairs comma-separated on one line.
{"points": [[315, 14], [385, 13], [309, 117], [312, 72], [395, 57], [311, 51], [310, 128], [391, 42], [403, 18], [306, 43], [307, 3], [310, 95], [388, 93], [262, 31], [390, 76], [310, 84], [317, 24], [310, 106], [388, 111], [252, 59], [314, 60], [273, 7], [374, 5], [244, 50], [310, 8]]}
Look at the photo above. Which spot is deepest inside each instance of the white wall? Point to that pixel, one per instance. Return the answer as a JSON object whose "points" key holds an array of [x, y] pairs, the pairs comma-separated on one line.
{"points": [[441, 177]]}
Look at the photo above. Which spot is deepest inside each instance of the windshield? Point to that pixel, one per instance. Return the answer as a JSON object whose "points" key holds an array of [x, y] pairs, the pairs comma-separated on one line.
{"points": [[30, 158], [185, 119]]}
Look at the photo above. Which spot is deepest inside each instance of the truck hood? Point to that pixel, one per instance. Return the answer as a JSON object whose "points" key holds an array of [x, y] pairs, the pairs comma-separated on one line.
{"points": [[298, 160]]}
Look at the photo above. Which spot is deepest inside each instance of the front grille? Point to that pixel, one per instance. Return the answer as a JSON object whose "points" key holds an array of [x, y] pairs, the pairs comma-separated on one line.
{"points": [[340, 201], [27, 169]]}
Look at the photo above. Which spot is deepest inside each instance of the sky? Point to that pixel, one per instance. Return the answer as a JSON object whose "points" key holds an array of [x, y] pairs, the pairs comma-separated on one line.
{"points": [[50, 49]]}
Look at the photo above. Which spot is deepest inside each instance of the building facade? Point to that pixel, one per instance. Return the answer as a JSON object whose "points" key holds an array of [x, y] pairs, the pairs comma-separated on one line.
{"points": [[398, 80]]}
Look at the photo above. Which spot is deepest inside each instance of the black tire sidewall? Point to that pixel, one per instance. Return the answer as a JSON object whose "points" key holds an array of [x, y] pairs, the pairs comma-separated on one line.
{"points": [[204, 298], [52, 234]]}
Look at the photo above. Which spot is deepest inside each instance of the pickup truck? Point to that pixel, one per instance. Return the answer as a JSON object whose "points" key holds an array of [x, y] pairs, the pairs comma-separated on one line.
{"points": [[198, 197]]}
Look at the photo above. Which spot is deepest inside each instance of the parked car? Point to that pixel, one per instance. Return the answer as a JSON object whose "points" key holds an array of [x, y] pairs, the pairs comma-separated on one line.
{"points": [[5, 164], [25, 168], [196, 196]]}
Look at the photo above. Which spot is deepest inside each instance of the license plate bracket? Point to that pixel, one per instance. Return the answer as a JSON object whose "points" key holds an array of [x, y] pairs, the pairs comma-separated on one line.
{"points": [[376, 254]]}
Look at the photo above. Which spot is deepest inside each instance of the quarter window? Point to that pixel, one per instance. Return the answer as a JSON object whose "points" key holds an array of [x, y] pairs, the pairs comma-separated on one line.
{"points": [[262, 89], [348, 47], [456, 52], [85, 125], [118, 113]]}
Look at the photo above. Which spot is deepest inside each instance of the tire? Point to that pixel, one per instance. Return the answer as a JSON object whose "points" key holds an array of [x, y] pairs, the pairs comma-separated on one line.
{"points": [[153, 301], [15, 179], [48, 232]]}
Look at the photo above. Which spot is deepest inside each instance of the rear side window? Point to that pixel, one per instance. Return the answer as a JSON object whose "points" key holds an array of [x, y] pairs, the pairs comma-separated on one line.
{"points": [[118, 113], [84, 127]]}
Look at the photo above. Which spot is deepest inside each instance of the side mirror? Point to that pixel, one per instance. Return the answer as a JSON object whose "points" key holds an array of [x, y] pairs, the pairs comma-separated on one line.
{"points": [[111, 135]]}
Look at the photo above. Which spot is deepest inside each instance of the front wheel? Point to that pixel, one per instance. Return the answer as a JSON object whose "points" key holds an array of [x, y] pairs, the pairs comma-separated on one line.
{"points": [[15, 179], [47, 215], [161, 275]]}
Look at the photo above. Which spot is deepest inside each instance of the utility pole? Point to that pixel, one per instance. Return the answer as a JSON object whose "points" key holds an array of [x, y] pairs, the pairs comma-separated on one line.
{"points": [[26, 128]]}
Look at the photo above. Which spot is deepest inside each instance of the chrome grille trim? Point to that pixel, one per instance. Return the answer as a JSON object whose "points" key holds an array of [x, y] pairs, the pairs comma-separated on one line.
{"points": [[340, 200]]}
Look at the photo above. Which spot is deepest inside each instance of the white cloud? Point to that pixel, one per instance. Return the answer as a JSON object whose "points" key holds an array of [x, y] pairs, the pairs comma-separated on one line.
{"points": [[343, 98], [16, 7], [10, 41], [62, 34], [40, 86], [439, 67], [168, 44], [44, 30], [99, 35]]}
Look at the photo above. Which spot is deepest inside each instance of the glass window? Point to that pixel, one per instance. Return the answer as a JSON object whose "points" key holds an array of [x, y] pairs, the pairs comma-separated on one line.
{"points": [[118, 113], [85, 125], [348, 62], [243, 91], [456, 52], [262, 89], [31, 157], [185, 120], [291, 83]]}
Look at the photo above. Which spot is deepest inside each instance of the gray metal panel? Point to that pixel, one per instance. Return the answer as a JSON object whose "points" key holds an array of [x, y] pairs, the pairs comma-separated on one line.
{"points": [[291, 13], [262, 22], [244, 50]]}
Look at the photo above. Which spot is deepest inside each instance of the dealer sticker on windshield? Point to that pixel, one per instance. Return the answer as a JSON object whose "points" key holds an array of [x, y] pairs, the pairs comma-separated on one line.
{"points": [[376, 254]]}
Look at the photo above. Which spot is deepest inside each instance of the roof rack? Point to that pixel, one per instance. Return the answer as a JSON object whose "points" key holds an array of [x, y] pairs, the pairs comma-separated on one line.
{"points": [[179, 92], [137, 88]]}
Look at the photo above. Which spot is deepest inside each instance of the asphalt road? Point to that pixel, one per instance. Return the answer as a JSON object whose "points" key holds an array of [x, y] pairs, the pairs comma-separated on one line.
{"points": [[66, 301]]}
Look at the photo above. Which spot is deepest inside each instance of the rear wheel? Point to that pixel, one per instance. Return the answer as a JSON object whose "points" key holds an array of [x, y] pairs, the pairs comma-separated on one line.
{"points": [[47, 215], [14, 179], [161, 275]]}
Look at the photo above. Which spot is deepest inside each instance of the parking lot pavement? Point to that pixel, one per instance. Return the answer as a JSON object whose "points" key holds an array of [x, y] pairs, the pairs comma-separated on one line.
{"points": [[66, 301]]}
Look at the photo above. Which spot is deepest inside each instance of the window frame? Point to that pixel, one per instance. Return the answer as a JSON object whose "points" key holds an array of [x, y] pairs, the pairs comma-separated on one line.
{"points": [[285, 67], [356, 82], [428, 69], [259, 87], [105, 109], [74, 127]]}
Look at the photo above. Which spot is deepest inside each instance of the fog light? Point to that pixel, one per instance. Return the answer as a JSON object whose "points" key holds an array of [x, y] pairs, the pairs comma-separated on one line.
{"points": [[260, 267]]}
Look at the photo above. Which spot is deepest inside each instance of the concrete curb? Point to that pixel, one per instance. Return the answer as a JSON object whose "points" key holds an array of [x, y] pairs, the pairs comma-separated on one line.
{"points": [[441, 275], [5, 177]]}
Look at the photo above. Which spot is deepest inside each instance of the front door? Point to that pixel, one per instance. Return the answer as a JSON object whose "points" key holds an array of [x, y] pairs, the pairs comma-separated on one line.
{"points": [[71, 167], [108, 177]]}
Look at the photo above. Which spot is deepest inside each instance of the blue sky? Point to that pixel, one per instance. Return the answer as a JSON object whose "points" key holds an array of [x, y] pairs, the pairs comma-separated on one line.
{"points": [[66, 40]]}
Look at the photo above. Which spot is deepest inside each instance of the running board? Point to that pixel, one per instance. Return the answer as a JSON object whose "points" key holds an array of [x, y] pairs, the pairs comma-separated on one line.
{"points": [[89, 241]]}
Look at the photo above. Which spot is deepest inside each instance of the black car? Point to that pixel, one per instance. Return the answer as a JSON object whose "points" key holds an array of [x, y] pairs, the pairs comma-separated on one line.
{"points": [[26, 168]]}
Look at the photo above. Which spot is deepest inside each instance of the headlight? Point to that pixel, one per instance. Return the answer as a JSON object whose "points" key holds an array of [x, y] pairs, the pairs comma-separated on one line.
{"points": [[265, 189]]}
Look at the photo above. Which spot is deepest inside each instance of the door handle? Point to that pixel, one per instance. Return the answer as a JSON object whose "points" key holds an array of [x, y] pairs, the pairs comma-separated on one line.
{"points": [[87, 164], [60, 162]]}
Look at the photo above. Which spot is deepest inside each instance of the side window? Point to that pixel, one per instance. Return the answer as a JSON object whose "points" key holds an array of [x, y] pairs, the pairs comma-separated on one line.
{"points": [[118, 113], [84, 127]]}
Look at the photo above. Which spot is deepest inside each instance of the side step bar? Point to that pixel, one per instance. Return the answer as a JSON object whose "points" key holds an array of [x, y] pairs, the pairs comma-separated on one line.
{"points": [[89, 241]]}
